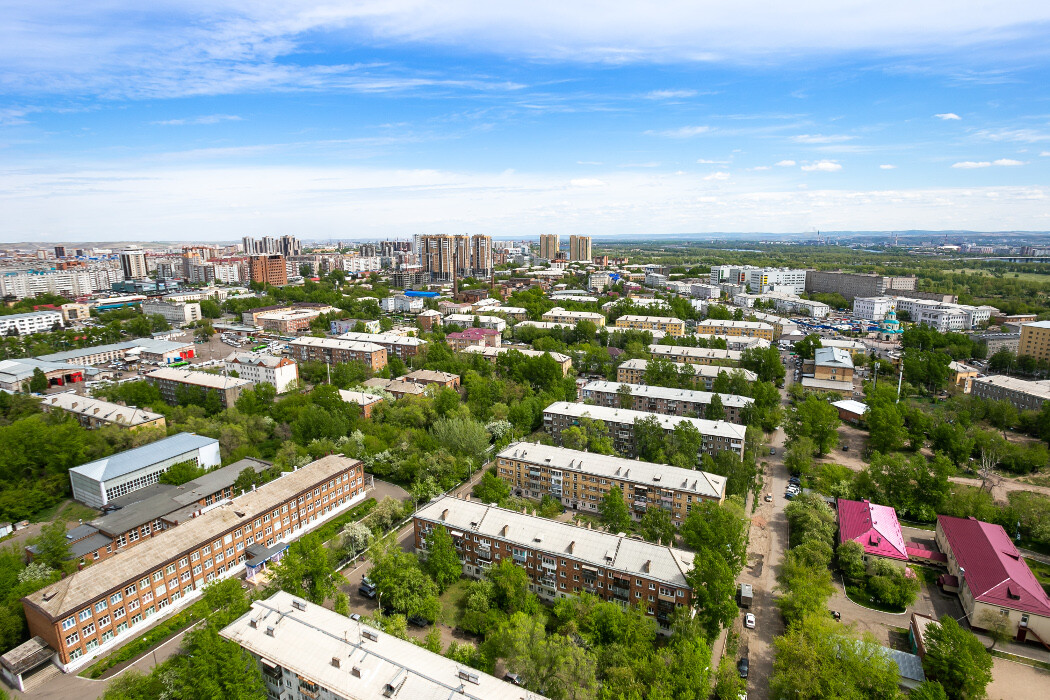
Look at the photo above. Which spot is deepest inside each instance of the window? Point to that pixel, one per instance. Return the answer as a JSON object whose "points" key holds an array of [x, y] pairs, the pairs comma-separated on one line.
{"points": [[197, 570], [158, 575], [68, 622], [104, 621], [195, 556], [184, 562], [133, 605], [100, 606], [206, 549], [147, 597], [84, 614], [88, 629], [118, 613], [73, 638], [115, 598], [228, 538], [170, 569], [130, 590]]}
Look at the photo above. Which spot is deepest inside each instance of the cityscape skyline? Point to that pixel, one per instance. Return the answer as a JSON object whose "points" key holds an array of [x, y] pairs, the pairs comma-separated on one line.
{"points": [[352, 121]]}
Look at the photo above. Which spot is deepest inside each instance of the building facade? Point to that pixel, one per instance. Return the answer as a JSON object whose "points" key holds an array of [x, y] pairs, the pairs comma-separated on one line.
{"points": [[133, 264], [561, 559], [718, 436], [174, 383], [665, 324], [177, 313], [580, 248], [1024, 395], [853, 284], [695, 356], [560, 315], [750, 329], [33, 322], [658, 399], [97, 483], [87, 613], [268, 269], [335, 350], [633, 372], [400, 346], [280, 372], [1035, 340], [549, 246], [95, 413], [580, 480]]}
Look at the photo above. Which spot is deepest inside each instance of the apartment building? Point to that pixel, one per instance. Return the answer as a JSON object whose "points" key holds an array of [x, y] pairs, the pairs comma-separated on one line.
{"points": [[750, 329], [97, 483], [784, 303], [999, 341], [268, 269], [177, 313], [718, 436], [665, 324], [580, 248], [151, 349], [89, 612], [400, 346], [401, 304], [280, 372], [562, 559], [564, 361], [853, 284], [633, 372], [396, 387], [560, 315], [580, 480], [426, 377], [367, 402], [94, 413], [75, 312], [1035, 340], [659, 399], [481, 255], [33, 322], [468, 337], [1024, 395], [549, 246], [133, 264], [830, 370], [347, 325], [760, 279], [306, 651], [334, 350], [695, 356], [467, 321], [175, 383]]}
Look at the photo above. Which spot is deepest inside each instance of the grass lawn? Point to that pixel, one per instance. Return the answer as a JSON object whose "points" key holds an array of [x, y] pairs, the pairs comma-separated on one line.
{"points": [[453, 601], [67, 510], [861, 596], [1041, 571]]}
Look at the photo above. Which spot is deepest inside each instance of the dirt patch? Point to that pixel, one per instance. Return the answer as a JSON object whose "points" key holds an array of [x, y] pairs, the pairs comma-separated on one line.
{"points": [[1013, 681]]}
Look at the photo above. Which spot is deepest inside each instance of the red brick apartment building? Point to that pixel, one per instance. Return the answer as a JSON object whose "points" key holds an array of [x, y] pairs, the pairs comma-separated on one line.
{"points": [[659, 399], [335, 350], [562, 559], [87, 613]]}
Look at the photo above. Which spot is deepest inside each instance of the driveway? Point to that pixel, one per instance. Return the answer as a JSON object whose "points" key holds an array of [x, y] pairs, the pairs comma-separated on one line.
{"points": [[766, 547]]}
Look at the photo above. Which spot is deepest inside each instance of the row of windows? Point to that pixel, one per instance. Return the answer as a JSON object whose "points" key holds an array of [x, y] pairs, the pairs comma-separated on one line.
{"points": [[175, 570]]}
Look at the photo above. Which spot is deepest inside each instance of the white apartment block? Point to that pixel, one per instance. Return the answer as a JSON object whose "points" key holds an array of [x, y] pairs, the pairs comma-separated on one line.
{"points": [[307, 652], [760, 279], [785, 303], [33, 322], [939, 315], [560, 315], [467, 321], [705, 291], [281, 372], [69, 283], [598, 281], [363, 264], [176, 313], [654, 279], [402, 304]]}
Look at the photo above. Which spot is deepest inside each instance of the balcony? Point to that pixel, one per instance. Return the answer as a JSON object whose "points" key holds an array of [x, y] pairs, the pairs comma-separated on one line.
{"points": [[620, 592], [639, 506], [520, 558]]}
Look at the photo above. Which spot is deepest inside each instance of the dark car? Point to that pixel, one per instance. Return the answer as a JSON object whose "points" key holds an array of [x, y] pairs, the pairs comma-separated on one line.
{"points": [[512, 678], [795, 480], [742, 666], [418, 621], [845, 448], [368, 590]]}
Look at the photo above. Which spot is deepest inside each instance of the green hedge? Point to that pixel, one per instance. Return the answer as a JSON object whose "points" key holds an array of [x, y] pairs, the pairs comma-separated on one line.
{"points": [[162, 632], [332, 527]]}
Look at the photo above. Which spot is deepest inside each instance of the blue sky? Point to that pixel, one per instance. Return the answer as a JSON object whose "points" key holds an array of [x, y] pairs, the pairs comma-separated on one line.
{"points": [[208, 121]]}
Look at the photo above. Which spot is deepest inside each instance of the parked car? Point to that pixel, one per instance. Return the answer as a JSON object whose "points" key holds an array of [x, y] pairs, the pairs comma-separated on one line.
{"points": [[845, 448], [418, 621], [742, 666], [367, 589], [772, 450], [789, 495], [749, 621], [513, 678], [795, 480]]}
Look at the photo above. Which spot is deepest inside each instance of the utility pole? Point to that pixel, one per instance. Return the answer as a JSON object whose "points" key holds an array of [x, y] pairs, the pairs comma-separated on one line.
{"points": [[900, 381]]}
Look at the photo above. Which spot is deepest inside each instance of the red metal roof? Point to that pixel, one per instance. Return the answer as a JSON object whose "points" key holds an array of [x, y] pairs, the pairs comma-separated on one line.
{"points": [[875, 527], [470, 333], [993, 568], [923, 553]]}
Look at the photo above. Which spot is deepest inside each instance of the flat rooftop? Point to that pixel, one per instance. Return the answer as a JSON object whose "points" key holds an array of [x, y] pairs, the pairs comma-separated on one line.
{"points": [[354, 660], [661, 392], [623, 415]]}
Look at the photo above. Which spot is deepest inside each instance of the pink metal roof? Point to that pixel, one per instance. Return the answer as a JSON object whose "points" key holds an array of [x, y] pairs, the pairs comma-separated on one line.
{"points": [[875, 527], [994, 570], [474, 333]]}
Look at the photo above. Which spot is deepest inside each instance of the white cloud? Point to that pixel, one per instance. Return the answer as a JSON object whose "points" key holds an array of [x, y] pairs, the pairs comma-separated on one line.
{"points": [[1002, 162], [683, 132], [948, 116], [823, 166], [761, 167], [1045, 154], [586, 182], [1017, 135], [785, 164], [707, 161], [670, 94], [887, 166], [209, 119], [193, 201], [718, 176], [821, 138]]}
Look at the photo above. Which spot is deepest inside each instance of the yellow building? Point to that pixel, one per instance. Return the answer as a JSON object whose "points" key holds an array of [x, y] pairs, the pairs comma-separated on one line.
{"points": [[1035, 340], [750, 329], [667, 324]]}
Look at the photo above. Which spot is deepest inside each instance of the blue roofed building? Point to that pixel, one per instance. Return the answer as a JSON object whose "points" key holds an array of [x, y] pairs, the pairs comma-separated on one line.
{"points": [[97, 483]]}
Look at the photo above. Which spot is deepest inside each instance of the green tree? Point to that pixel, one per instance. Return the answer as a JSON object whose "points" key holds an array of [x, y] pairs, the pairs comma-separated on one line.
{"points": [[715, 410], [957, 659], [613, 511], [807, 346], [510, 588], [305, 570], [492, 489], [649, 439], [728, 683], [551, 664], [626, 398], [656, 526], [713, 588], [182, 472], [818, 659], [213, 667], [765, 362], [52, 547], [38, 383], [928, 690], [886, 431], [442, 563], [718, 528], [799, 457], [463, 436], [817, 419]]}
